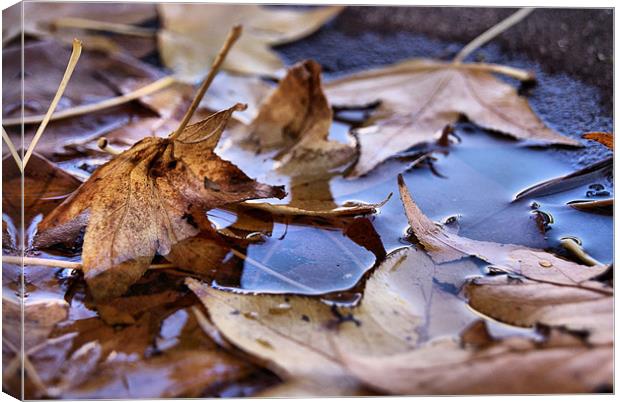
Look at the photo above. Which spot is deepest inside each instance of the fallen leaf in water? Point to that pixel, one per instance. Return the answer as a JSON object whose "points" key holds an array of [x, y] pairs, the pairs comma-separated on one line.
{"points": [[418, 98], [507, 366], [605, 207], [444, 245], [146, 200], [606, 139], [596, 171], [42, 19], [191, 35], [295, 335], [527, 303], [294, 120]]}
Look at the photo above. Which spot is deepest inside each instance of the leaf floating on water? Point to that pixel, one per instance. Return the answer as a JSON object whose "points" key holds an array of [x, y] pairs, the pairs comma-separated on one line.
{"points": [[556, 185], [507, 366], [606, 139], [346, 209], [418, 98], [443, 245], [597, 206], [528, 303], [192, 34], [399, 309]]}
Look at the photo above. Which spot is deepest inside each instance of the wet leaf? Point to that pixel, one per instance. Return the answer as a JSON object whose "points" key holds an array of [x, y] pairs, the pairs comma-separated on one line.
{"points": [[295, 120], [444, 245], [295, 335], [192, 34], [597, 206], [418, 98], [507, 366], [528, 303], [578, 178], [146, 200]]}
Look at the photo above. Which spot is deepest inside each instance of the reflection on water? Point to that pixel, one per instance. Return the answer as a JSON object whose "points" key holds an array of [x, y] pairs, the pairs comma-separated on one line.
{"points": [[472, 183]]}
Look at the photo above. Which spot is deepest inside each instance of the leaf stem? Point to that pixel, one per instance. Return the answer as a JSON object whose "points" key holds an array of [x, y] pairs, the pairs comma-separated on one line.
{"points": [[491, 33], [12, 150], [75, 56], [233, 35], [94, 107], [48, 262]]}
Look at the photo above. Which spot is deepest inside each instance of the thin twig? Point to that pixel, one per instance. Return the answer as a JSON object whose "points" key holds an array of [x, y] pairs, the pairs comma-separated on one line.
{"points": [[94, 107], [492, 33], [233, 35], [75, 56], [12, 150], [113, 27], [273, 272], [48, 262]]}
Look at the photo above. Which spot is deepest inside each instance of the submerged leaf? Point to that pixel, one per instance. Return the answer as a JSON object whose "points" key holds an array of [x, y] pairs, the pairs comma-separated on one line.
{"points": [[146, 200], [508, 366], [418, 98], [192, 34]]}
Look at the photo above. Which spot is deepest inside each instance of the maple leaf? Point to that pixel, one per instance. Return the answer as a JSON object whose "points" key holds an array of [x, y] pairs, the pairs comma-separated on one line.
{"points": [[418, 98], [192, 33], [511, 365], [444, 245], [403, 305], [146, 200]]}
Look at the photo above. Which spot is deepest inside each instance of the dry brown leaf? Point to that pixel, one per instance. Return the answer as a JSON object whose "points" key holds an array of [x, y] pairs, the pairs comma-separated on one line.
{"points": [[507, 366], [606, 139], [528, 303], [295, 335], [295, 120], [146, 200], [418, 98], [192, 34], [443, 245], [597, 206]]}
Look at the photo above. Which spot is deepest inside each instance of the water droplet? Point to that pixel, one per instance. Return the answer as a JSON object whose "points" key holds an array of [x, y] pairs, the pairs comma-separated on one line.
{"points": [[280, 308], [545, 263]]}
